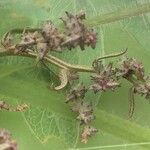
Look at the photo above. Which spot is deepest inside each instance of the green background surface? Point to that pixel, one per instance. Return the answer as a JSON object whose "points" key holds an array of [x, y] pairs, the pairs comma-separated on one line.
{"points": [[48, 124]]}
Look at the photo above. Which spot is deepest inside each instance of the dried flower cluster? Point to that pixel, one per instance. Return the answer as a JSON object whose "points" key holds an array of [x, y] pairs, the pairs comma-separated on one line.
{"points": [[49, 38], [105, 78], [84, 110], [6, 142]]}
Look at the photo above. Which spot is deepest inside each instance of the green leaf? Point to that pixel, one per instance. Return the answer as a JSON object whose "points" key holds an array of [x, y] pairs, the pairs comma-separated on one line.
{"points": [[120, 25], [45, 125]]}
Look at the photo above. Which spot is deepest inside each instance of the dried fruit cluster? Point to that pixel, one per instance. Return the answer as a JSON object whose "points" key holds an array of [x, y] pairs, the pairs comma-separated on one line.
{"points": [[6, 142]]}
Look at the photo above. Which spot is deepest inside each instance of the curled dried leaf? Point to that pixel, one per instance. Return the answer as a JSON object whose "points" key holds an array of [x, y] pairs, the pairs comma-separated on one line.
{"points": [[63, 79]]}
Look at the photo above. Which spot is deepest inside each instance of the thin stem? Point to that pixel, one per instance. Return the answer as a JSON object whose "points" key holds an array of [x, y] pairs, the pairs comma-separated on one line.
{"points": [[113, 55], [77, 68], [58, 62]]}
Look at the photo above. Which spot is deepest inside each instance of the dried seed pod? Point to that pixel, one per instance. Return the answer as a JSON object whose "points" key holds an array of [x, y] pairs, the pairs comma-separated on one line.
{"points": [[77, 93], [87, 132]]}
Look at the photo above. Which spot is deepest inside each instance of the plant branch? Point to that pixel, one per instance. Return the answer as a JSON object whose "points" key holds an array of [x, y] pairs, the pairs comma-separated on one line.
{"points": [[58, 62]]}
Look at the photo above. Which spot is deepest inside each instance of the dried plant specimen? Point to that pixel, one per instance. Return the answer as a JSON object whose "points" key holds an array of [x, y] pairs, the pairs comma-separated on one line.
{"points": [[41, 43]]}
